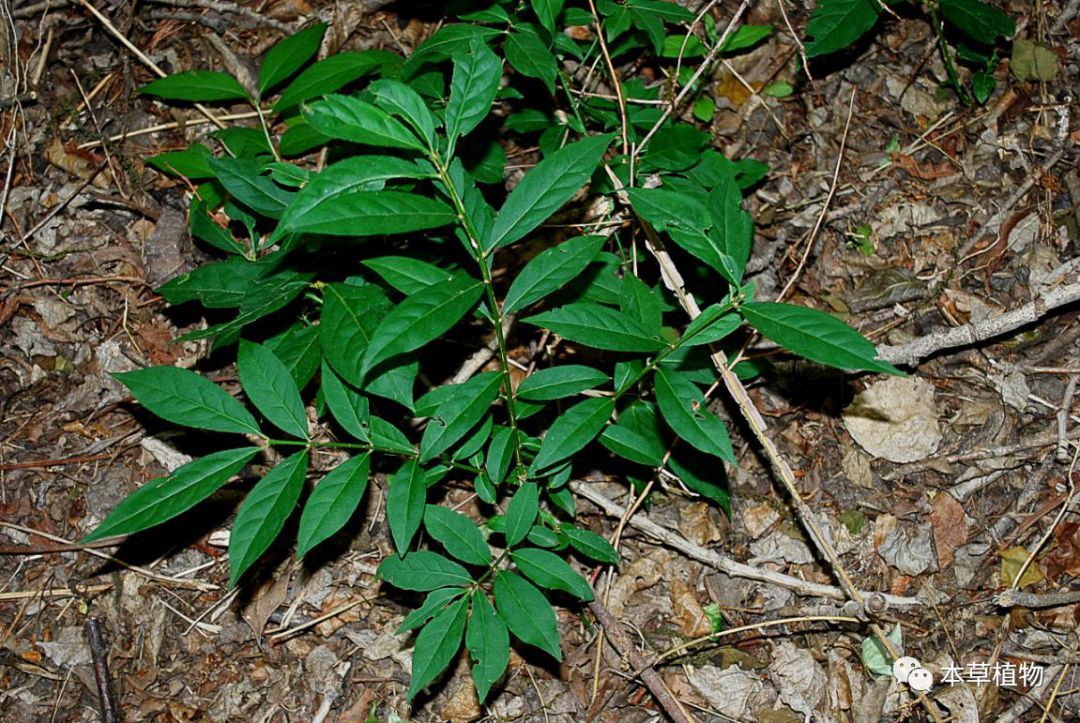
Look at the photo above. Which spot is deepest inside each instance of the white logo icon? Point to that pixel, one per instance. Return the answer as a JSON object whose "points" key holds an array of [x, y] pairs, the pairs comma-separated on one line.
{"points": [[921, 680], [909, 670], [902, 668]]}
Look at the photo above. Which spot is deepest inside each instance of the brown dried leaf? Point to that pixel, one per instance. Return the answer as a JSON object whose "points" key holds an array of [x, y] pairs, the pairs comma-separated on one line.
{"points": [[688, 611], [950, 531]]}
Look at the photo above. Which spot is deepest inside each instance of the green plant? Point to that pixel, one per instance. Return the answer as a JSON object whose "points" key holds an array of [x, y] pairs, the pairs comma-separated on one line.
{"points": [[836, 24], [360, 271]]}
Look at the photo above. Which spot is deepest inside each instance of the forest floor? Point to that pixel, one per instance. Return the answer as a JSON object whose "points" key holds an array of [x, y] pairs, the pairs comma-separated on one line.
{"points": [[937, 490]]}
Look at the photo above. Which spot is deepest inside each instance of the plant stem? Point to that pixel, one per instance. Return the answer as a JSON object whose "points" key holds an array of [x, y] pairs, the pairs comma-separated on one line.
{"points": [[950, 68], [266, 130], [495, 312], [662, 355]]}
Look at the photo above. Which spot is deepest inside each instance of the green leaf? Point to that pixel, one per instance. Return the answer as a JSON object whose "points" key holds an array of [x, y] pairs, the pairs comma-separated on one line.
{"points": [[551, 270], [406, 274], [713, 324], [395, 381], [422, 318], [685, 219], [684, 408], [702, 475], [422, 571], [221, 285], [876, 658], [264, 298], [561, 381], [446, 41], [330, 74], [549, 570], [164, 498], [500, 454], [183, 397], [333, 502], [405, 500], [436, 646], [206, 229], [815, 335], [591, 545], [529, 55], [978, 20], [298, 349], [733, 228], [578, 426], [488, 642], [349, 317], [385, 436], [521, 513], [198, 86], [458, 534], [641, 303], [264, 512], [288, 174], [460, 413], [289, 56], [485, 490], [475, 82], [349, 408], [271, 389], [401, 100], [353, 120], [599, 327], [369, 213], [434, 603], [327, 193], [241, 178], [746, 36], [547, 11], [546, 188], [527, 613], [636, 435], [837, 24], [192, 162]]}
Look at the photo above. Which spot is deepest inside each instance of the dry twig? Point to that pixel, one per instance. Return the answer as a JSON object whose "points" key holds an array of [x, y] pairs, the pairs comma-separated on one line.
{"points": [[626, 648], [721, 563], [915, 351]]}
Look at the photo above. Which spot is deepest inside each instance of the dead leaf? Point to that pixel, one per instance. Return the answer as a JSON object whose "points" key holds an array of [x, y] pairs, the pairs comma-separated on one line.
{"points": [[950, 531], [895, 419], [800, 679], [1033, 61], [695, 522], [688, 611], [925, 171], [1012, 560], [267, 598], [77, 163]]}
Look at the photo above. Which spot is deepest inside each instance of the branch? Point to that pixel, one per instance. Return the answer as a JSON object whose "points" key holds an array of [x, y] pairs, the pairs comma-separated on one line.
{"points": [[626, 648], [725, 564], [915, 351]]}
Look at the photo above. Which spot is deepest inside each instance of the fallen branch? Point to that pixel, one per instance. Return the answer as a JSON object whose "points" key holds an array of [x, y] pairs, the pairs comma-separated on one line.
{"points": [[915, 351], [1016, 598], [626, 648], [722, 563], [99, 653]]}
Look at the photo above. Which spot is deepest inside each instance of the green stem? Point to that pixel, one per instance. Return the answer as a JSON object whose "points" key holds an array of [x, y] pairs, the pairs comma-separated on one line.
{"points": [[493, 304], [367, 447], [950, 68], [662, 355], [266, 131]]}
